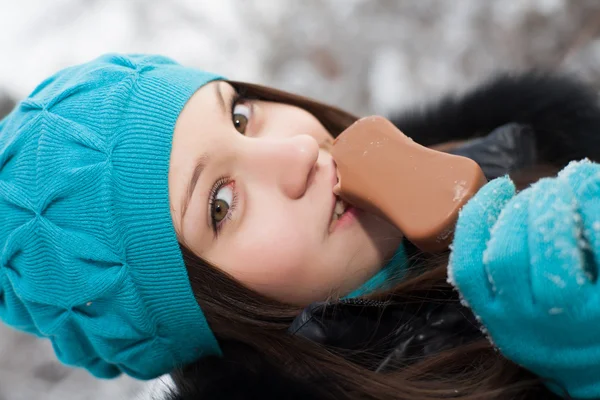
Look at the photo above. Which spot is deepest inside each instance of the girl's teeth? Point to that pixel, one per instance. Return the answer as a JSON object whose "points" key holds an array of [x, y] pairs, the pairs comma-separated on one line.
{"points": [[339, 207]]}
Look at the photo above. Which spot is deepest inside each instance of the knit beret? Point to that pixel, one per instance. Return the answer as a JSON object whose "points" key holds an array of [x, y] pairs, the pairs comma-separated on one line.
{"points": [[88, 253]]}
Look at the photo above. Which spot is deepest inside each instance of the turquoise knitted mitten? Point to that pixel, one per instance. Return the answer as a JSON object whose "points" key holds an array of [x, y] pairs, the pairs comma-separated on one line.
{"points": [[526, 264]]}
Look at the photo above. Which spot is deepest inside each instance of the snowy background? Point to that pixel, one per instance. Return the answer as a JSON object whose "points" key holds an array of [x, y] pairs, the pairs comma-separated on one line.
{"points": [[367, 56]]}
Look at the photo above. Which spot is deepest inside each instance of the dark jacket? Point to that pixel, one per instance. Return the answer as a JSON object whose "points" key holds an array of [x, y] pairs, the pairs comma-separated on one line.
{"points": [[510, 124]]}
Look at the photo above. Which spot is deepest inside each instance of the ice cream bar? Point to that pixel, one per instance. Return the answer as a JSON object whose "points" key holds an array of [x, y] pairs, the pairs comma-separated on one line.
{"points": [[419, 190]]}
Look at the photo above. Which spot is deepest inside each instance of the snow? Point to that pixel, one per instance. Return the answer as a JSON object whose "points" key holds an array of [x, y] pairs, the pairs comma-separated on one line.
{"points": [[366, 56], [555, 311], [556, 280], [460, 190]]}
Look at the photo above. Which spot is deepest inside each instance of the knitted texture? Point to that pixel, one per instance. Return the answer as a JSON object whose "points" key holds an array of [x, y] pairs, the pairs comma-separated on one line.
{"points": [[527, 265], [88, 253]]}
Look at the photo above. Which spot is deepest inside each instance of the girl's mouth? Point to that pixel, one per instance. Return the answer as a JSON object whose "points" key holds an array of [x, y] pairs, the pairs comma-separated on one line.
{"points": [[343, 214], [340, 207]]}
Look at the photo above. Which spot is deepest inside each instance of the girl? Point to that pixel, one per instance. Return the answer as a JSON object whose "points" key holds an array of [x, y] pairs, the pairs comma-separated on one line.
{"points": [[156, 217]]}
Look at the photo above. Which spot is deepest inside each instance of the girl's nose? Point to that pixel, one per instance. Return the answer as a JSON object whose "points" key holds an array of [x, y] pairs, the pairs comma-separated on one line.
{"points": [[285, 162]]}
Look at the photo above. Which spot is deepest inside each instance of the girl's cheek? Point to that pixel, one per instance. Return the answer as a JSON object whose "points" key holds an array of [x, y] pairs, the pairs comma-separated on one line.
{"points": [[270, 259]]}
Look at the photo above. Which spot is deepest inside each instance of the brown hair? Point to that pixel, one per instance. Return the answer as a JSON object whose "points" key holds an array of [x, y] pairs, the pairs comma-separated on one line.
{"points": [[238, 315]]}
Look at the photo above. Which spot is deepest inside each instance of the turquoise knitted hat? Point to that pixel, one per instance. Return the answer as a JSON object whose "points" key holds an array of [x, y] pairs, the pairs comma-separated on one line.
{"points": [[88, 253]]}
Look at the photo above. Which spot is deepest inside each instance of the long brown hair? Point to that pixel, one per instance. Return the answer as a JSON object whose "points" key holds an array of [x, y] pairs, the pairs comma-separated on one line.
{"points": [[240, 316]]}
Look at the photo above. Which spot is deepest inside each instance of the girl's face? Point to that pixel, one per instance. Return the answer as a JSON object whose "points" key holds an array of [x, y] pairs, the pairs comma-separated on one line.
{"points": [[250, 187]]}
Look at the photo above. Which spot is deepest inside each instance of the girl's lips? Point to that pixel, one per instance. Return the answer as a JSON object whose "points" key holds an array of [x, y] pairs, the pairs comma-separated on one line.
{"points": [[346, 219]]}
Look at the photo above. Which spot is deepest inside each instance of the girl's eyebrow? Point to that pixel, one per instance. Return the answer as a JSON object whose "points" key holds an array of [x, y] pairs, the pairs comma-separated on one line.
{"points": [[201, 164], [220, 98], [202, 161]]}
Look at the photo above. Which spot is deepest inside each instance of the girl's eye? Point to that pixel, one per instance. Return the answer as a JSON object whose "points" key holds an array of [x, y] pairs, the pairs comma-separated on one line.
{"points": [[221, 204], [240, 116]]}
